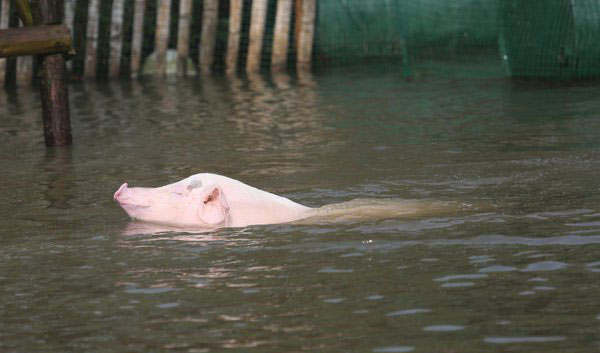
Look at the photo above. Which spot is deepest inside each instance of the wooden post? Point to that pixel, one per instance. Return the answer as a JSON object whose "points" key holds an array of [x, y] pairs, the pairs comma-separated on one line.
{"points": [[281, 35], [116, 38], [297, 22], [163, 19], [210, 17], [307, 30], [233, 40], [69, 21], [257, 32], [137, 36], [89, 69], [53, 83], [4, 17], [183, 36]]}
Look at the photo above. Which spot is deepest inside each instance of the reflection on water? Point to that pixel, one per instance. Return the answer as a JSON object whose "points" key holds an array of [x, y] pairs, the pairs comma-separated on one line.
{"points": [[511, 264]]}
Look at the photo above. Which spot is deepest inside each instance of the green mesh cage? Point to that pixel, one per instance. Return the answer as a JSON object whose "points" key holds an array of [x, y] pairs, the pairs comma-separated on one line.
{"points": [[551, 38]]}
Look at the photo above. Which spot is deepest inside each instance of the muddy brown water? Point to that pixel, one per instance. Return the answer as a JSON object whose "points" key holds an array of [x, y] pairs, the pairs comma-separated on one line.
{"points": [[520, 273]]}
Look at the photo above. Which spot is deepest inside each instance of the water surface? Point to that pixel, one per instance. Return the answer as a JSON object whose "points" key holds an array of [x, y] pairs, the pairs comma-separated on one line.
{"points": [[518, 271]]}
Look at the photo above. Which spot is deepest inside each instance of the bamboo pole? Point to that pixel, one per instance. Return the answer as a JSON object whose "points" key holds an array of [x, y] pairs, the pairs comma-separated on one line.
{"points": [[24, 11], [233, 40], [297, 22], [306, 37], [91, 47], [210, 17], [116, 38], [4, 18], [35, 40], [53, 83], [163, 19], [137, 36], [24, 63], [257, 32], [69, 21], [183, 36], [281, 35]]}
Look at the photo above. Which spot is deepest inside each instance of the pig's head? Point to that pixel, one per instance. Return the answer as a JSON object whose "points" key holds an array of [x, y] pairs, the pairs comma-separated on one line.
{"points": [[185, 203]]}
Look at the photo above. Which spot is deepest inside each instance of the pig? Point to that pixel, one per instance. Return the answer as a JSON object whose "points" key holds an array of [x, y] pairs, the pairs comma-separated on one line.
{"points": [[208, 201]]}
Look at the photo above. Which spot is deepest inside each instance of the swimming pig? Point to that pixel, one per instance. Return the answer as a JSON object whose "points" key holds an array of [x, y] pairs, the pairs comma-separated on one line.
{"points": [[208, 201], [214, 201]]}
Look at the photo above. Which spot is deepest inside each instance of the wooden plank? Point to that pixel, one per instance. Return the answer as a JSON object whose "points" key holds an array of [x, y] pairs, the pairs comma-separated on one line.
{"points": [[306, 37], [53, 83], [281, 35], [233, 40], [35, 40], [4, 18], [116, 38], [137, 36], [183, 36], [89, 70], [257, 32], [163, 19], [210, 18]]}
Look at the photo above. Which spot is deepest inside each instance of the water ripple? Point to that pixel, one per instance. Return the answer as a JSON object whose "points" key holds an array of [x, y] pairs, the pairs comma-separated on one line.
{"points": [[530, 339]]}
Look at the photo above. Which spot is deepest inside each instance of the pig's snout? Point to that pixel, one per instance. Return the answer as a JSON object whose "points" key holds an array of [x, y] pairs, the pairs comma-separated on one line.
{"points": [[120, 192]]}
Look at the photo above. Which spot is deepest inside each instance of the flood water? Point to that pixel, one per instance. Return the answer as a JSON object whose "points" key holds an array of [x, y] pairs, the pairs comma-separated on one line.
{"points": [[518, 270]]}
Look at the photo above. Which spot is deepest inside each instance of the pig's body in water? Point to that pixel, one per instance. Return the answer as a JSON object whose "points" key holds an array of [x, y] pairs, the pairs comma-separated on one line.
{"points": [[210, 201]]}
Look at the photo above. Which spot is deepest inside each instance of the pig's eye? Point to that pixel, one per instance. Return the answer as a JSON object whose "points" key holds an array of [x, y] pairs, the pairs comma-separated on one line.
{"points": [[178, 193]]}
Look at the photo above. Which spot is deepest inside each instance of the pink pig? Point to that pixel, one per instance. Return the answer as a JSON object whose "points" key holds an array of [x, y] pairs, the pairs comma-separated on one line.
{"points": [[208, 201]]}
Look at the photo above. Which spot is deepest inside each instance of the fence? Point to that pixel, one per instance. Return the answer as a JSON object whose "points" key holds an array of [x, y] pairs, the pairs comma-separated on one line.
{"points": [[112, 38]]}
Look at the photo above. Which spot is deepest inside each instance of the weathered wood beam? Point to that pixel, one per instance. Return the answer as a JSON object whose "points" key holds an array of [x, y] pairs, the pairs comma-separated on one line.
{"points": [[35, 40]]}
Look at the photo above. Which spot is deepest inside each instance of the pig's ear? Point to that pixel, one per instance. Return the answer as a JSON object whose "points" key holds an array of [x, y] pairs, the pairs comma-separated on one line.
{"points": [[213, 207]]}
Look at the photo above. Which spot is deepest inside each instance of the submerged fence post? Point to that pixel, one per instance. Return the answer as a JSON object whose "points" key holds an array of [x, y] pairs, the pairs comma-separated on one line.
{"points": [[281, 35], [53, 83], [233, 40], [116, 38], [210, 13], [4, 17], [257, 32], [163, 19], [89, 69], [137, 36], [306, 35], [183, 36]]}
